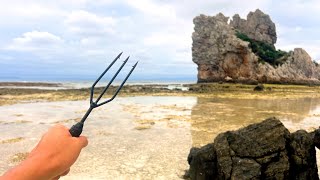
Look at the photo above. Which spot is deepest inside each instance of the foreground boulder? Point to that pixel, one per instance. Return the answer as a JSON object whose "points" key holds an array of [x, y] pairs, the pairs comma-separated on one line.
{"points": [[265, 150]]}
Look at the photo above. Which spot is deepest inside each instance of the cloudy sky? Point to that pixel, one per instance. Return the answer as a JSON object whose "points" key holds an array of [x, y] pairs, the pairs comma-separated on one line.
{"points": [[76, 39]]}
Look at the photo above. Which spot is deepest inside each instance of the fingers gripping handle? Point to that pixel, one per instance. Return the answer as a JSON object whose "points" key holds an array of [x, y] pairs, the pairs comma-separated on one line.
{"points": [[76, 129]]}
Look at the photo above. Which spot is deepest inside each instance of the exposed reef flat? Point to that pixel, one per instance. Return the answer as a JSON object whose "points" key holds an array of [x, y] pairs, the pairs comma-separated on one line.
{"points": [[221, 90], [29, 84], [171, 125]]}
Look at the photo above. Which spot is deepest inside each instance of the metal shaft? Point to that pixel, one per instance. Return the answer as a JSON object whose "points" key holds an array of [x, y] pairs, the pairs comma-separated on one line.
{"points": [[87, 114]]}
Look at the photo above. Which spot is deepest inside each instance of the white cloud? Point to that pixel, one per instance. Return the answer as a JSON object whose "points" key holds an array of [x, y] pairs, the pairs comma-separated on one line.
{"points": [[164, 39], [190, 9], [89, 41], [22, 11], [84, 23], [157, 32], [165, 31], [296, 8], [298, 28], [290, 37], [153, 9], [35, 40]]}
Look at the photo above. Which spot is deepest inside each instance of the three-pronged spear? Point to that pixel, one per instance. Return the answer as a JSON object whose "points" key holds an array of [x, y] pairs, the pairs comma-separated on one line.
{"points": [[76, 129]]}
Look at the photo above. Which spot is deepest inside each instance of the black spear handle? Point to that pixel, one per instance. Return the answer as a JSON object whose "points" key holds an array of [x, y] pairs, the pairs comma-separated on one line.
{"points": [[76, 129]]}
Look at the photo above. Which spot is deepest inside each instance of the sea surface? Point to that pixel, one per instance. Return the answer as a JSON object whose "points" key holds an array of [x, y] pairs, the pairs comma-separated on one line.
{"points": [[143, 137], [78, 84]]}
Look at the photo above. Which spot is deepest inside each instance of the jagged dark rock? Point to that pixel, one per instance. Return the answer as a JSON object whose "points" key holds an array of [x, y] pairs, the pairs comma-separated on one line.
{"points": [[222, 56], [202, 162], [264, 150], [259, 87], [317, 138], [302, 156]]}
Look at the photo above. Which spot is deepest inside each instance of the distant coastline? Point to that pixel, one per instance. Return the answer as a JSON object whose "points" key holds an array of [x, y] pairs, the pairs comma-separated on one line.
{"points": [[28, 84], [78, 84]]}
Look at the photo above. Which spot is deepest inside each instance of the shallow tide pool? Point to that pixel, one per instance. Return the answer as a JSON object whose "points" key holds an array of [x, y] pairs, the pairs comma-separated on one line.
{"points": [[145, 137]]}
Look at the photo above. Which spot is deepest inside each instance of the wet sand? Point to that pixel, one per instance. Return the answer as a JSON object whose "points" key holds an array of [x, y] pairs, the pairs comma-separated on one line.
{"points": [[143, 137], [117, 148]]}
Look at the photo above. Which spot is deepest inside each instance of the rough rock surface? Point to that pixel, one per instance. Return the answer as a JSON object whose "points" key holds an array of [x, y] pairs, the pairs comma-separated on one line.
{"points": [[302, 156], [258, 26], [260, 151], [203, 162], [220, 55]]}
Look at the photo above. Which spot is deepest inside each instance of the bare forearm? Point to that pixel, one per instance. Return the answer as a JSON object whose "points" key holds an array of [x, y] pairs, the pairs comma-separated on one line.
{"points": [[33, 168], [51, 158]]}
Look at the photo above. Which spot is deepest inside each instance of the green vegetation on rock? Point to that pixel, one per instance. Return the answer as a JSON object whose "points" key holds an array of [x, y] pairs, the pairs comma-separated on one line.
{"points": [[265, 52]]}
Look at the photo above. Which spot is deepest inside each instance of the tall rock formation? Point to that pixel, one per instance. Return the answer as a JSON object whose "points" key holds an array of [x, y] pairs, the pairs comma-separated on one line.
{"points": [[222, 56]]}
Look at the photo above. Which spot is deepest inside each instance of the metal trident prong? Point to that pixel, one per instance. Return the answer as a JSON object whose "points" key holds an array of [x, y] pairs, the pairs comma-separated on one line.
{"points": [[76, 129], [104, 72], [119, 88]]}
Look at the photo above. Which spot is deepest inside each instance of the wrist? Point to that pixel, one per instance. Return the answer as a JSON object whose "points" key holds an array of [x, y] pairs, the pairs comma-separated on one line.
{"points": [[33, 168]]}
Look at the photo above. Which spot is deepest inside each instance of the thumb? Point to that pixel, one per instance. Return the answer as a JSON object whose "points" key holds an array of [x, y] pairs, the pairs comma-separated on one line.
{"points": [[82, 141]]}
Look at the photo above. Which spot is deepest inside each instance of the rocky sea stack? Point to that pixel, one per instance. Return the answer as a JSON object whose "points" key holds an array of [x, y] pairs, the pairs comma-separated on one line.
{"points": [[243, 51], [266, 150]]}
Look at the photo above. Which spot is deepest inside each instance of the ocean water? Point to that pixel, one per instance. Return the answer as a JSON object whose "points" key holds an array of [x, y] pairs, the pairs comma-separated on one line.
{"points": [[78, 84]]}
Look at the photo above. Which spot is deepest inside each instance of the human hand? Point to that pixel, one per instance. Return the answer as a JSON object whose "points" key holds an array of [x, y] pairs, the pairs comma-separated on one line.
{"points": [[52, 157]]}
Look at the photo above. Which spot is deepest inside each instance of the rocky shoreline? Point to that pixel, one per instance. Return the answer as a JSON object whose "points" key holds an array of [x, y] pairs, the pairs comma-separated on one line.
{"points": [[222, 90]]}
